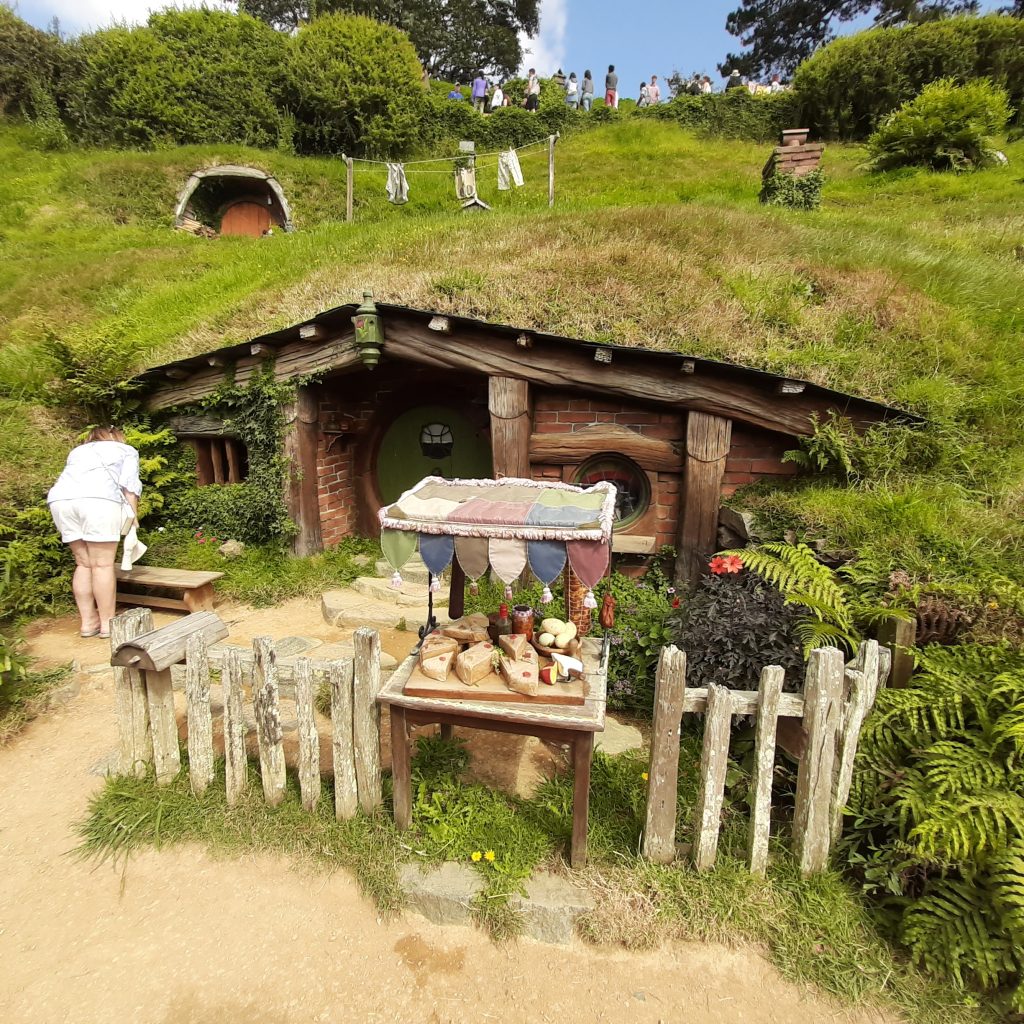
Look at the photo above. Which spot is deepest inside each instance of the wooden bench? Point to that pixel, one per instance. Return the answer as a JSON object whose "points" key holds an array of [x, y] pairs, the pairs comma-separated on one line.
{"points": [[189, 591]]}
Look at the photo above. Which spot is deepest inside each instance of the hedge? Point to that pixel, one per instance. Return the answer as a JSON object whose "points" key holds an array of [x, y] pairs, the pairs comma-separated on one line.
{"points": [[735, 114], [28, 64], [847, 87]]}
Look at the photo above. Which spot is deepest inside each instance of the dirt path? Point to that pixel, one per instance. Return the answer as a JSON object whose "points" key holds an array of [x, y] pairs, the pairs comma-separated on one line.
{"points": [[182, 938]]}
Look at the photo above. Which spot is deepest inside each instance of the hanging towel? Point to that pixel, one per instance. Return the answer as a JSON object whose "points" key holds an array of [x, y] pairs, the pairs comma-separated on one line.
{"points": [[134, 549], [398, 186], [509, 171]]}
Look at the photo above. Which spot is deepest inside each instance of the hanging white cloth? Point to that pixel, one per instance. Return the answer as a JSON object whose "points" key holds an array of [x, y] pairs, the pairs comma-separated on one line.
{"points": [[134, 549], [398, 186], [509, 171]]}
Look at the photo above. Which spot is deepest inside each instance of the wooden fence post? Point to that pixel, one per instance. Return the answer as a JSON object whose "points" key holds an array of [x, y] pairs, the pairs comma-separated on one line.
{"points": [[822, 690], [897, 635], [768, 696], [659, 844], [136, 749], [309, 738], [849, 733], [235, 765], [714, 759], [200, 721], [267, 711], [349, 182], [366, 717], [345, 792], [551, 170], [164, 724]]}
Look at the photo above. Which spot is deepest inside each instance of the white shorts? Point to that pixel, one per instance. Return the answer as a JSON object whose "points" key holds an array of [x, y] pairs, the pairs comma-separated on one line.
{"points": [[93, 519]]}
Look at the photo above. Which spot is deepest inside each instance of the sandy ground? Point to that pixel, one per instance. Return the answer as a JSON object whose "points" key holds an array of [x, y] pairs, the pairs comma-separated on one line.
{"points": [[181, 938]]}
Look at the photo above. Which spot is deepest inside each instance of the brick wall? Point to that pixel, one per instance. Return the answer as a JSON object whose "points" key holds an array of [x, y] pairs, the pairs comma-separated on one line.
{"points": [[755, 455]]}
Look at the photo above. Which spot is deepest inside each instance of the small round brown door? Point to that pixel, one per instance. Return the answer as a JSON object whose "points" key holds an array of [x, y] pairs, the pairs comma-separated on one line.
{"points": [[245, 218]]}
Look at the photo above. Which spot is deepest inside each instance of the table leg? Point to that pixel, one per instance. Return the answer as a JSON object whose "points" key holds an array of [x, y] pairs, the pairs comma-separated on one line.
{"points": [[447, 731], [582, 754], [401, 768]]}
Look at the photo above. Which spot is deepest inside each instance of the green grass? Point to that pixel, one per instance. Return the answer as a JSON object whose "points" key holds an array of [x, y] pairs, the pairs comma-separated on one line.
{"points": [[815, 931], [25, 697]]}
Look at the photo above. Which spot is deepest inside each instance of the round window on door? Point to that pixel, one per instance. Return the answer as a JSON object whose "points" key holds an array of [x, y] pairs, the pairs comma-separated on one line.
{"points": [[632, 488]]}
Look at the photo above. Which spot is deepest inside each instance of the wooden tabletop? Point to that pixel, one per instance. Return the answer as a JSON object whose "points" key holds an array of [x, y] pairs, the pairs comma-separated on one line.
{"points": [[588, 718], [156, 577]]}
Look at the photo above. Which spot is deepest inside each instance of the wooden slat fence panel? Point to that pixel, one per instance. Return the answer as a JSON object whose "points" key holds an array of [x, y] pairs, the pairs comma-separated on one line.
{"points": [[266, 706], [714, 760], [236, 780], [769, 694], [366, 718], [200, 720], [309, 738], [346, 798], [164, 726], [136, 747]]}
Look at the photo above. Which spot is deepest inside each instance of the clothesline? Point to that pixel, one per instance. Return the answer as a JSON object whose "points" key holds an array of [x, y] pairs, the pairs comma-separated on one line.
{"points": [[449, 159]]}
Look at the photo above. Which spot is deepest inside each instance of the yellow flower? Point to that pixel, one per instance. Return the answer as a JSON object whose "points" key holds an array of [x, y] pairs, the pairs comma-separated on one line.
{"points": [[644, 776], [476, 855], [993, 604], [489, 856]]}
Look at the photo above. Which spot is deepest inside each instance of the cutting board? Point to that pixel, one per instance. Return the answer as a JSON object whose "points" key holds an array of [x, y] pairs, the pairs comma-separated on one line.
{"points": [[492, 687]]}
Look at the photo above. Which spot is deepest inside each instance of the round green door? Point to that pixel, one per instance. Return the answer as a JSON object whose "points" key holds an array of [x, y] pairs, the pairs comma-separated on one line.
{"points": [[430, 440]]}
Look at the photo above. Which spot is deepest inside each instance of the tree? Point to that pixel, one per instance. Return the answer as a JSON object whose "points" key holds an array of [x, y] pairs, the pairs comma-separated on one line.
{"points": [[782, 33], [453, 38]]}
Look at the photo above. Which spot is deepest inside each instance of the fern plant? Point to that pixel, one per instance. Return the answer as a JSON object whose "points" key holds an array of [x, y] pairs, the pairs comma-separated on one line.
{"points": [[936, 833]]}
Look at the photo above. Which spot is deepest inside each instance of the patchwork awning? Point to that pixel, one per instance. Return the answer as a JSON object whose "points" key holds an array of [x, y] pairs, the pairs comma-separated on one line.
{"points": [[506, 525]]}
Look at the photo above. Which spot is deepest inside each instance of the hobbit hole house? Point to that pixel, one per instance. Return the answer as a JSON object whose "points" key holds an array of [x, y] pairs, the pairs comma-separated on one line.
{"points": [[232, 200], [420, 394]]}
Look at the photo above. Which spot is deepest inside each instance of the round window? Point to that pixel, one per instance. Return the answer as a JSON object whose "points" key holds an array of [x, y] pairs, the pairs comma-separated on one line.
{"points": [[632, 488]]}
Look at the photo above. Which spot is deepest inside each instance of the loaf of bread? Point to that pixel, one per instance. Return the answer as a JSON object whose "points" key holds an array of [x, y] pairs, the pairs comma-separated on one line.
{"points": [[513, 645], [520, 676], [474, 663], [436, 667]]}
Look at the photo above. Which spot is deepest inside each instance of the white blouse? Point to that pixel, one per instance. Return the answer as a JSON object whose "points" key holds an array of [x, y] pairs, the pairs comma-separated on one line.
{"points": [[98, 469]]}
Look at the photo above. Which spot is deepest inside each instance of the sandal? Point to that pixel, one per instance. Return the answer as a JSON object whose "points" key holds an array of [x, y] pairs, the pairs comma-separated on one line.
{"points": [[89, 633]]}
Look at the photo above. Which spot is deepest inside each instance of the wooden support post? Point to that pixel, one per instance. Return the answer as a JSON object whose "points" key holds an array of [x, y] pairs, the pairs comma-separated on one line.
{"points": [[301, 433], [164, 724], [456, 591], [508, 401], [200, 721], [714, 760], [551, 169], [822, 689], [235, 765], [769, 694], [707, 445], [267, 711], [366, 717], [309, 738], [401, 767], [349, 175], [136, 750], [853, 718], [659, 841], [582, 756], [899, 635], [346, 798]]}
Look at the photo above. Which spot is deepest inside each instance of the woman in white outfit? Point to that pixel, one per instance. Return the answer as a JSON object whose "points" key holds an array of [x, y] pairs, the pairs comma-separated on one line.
{"points": [[94, 502]]}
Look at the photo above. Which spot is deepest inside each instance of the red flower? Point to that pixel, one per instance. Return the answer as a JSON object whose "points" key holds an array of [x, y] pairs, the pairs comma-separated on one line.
{"points": [[726, 563], [675, 602]]}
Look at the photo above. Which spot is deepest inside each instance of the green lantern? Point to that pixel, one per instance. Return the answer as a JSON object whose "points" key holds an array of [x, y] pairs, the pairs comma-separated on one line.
{"points": [[369, 336]]}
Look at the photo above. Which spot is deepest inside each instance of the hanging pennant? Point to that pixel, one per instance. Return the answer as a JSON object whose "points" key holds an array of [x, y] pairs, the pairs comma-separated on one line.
{"points": [[589, 562], [473, 559], [398, 547], [398, 185], [508, 560], [436, 552], [547, 559]]}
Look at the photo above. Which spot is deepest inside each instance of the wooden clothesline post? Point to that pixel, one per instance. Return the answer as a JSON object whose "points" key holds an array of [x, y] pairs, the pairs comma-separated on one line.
{"points": [[551, 169], [349, 174]]}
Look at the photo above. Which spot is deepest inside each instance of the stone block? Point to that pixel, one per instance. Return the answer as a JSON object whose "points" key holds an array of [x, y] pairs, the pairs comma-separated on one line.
{"points": [[443, 894], [618, 737], [551, 908]]}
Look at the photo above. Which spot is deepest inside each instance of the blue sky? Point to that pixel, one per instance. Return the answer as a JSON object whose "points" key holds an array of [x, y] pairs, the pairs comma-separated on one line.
{"points": [[652, 38]]}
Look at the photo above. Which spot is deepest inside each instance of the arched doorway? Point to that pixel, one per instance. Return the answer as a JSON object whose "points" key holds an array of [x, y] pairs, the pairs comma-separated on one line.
{"points": [[430, 440], [246, 217], [208, 202]]}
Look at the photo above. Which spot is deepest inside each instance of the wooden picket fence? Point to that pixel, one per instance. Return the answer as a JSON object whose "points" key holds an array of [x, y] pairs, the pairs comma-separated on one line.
{"points": [[142, 659], [821, 727]]}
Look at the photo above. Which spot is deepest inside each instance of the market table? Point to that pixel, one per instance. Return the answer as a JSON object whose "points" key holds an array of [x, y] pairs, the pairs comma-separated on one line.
{"points": [[553, 723]]}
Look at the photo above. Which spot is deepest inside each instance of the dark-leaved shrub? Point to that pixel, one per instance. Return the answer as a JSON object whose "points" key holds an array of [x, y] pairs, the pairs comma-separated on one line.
{"points": [[28, 65], [796, 193], [948, 126], [731, 627]]}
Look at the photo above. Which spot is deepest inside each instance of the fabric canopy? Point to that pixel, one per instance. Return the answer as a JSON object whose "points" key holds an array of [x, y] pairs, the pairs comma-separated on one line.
{"points": [[505, 524]]}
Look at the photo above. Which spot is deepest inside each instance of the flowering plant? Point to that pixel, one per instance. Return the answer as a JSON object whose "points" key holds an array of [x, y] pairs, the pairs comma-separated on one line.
{"points": [[721, 564]]}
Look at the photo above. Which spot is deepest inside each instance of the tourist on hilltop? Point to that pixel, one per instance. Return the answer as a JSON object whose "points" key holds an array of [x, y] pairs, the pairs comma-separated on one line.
{"points": [[456, 93], [587, 93], [706, 88], [479, 91], [775, 85], [532, 92], [497, 98], [734, 82], [559, 78], [693, 87], [654, 92], [643, 99], [611, 88], [572, 91]]}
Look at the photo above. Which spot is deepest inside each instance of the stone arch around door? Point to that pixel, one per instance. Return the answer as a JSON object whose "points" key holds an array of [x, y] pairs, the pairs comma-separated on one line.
{"points": [[213, 193]]}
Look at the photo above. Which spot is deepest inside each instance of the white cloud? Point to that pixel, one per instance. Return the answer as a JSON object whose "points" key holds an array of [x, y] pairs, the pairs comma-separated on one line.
{"points": [[85, 15], [546, 53]]}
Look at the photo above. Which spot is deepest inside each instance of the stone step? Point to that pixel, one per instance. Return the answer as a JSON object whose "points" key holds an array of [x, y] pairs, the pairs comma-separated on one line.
{"points": [[412, 572], [411, 595], [348, 608]]}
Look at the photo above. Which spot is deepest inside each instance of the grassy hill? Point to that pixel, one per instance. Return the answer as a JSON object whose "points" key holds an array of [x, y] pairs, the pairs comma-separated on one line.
{"points": [[904, 288]]}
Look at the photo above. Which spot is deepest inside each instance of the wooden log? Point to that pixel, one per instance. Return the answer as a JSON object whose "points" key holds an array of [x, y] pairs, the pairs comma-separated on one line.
{"points": [[714, 760], [232, 449], [219, 464], [822, 688], [707, 447], [899, 635], [301, 433], [309, 738], [164, 726], [201, 425], [161, 648], [346, 798], [853, 719], [508, 401], [659, 840], [236, 768], [200, 720], [366, 717], [136, 743], [744, 702], [769, 693], [267, 711], [649, 453]]}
